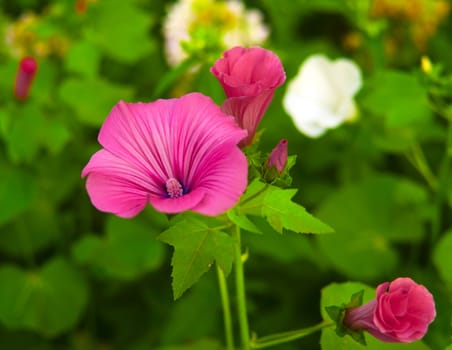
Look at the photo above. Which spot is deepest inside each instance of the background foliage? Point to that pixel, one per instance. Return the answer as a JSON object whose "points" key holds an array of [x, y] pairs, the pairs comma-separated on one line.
{"points": [[74, 278]]}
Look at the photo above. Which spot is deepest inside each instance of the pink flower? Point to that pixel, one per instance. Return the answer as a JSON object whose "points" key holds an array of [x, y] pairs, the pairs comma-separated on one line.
{"points": [[401, 312], [249, 77], [24, 77], [177, 154], [278, 157]]}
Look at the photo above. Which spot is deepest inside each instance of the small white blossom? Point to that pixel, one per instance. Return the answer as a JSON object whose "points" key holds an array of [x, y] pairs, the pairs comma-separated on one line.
{"points": [[235, 25], [320, 97]]}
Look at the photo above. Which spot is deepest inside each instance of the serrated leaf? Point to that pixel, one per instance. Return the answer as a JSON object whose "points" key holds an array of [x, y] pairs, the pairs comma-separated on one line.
{"points": [[196, 247], [281, 213], [276, 205]]}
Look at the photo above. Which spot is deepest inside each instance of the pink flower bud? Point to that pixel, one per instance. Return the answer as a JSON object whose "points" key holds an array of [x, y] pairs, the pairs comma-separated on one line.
{"points": [[249, 78], [278, 157], [24, 77], [400, 313]]}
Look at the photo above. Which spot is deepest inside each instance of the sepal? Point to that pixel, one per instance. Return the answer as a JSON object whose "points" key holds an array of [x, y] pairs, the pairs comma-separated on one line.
{"points": [[337, 314]]}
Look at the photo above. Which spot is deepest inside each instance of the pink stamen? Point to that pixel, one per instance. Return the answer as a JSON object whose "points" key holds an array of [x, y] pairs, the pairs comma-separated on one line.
{"points": [[173, 188]]}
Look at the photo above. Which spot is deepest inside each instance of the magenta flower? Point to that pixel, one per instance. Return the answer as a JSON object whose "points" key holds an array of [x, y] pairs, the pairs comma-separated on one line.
{"points": [[177, 154], [249, 78], [24, 77], [401, 312], [278, 157]]}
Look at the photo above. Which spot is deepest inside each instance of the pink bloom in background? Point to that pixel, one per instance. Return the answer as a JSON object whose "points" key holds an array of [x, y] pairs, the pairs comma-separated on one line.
{"points": [[401, 312], [249, 77], [26, 72], [278, 157], [177, 154]]}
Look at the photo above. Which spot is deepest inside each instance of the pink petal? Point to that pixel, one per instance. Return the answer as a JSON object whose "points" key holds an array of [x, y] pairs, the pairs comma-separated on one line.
{"points": [[223, 179], [248, 111], [202, 133], [117, 187], [139, 133], [188, 201]]}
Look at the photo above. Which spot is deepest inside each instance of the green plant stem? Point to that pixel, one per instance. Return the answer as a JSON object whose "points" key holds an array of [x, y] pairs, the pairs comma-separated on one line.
{"points": [[417, 158], [229, 336], [279, 338], [240, 288]]}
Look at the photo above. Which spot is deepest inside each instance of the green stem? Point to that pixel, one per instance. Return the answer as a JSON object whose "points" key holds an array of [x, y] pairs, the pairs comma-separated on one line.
{"points": [[226, 309], [240, 288], [417, 158], [279, 338]]}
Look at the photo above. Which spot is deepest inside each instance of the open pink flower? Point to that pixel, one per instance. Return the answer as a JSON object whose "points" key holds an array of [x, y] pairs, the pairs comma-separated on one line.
{"points": [[401, 312], [177, 154], [249, 77], [26, 73]]}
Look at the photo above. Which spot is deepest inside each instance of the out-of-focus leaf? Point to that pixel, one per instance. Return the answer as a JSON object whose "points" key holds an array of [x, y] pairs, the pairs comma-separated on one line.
{"points": [[49, 301], [203, 344], [400, 98], [113, 32], [338, 294], [367, 216], [202, 296], [83, 58], [128, 251], [31, 232], [442, 257], [16, 192], [92, 99], [196, 247], [30, 130]]}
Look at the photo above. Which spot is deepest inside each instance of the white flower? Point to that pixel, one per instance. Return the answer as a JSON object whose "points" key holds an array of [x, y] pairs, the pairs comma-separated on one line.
{"points": [[320, 97], [235, 26]]}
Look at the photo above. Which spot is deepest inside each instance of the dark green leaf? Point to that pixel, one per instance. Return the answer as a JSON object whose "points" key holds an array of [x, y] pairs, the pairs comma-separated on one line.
{"points": [[128, 251], [49, 301]]}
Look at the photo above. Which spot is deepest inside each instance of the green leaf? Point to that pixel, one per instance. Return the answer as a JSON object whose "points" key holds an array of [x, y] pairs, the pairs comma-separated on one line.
{"points": [[399, 97], [79, 93], [243, 221], [442, 257], [196, 247], [113, 33], [83, 58], [368, 216], [276, 205], [281, 212], [17, 192], [49, 301], [337, 294], [128, 251]]}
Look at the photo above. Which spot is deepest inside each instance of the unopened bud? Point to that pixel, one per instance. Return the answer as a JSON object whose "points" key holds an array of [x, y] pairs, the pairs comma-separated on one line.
{"points": [[24, 77], [278, 157]]}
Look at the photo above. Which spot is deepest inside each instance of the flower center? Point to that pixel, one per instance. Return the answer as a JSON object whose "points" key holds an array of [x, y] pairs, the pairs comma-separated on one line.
{"points": [[173, 188]]}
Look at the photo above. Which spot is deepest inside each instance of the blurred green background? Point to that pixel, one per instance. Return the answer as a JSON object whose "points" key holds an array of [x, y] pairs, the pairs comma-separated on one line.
{"points": [[74, 278]]}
